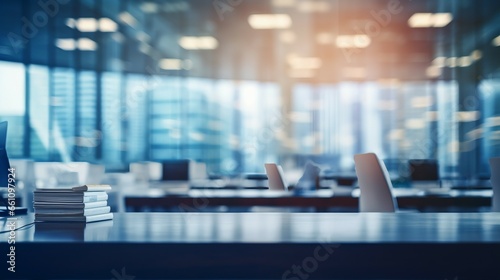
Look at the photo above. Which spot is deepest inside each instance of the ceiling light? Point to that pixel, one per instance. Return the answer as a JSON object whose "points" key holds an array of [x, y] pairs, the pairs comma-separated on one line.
{"points": [[127, 18], [439, 61], [415, 123], [83, 44], [313, 6], [283, 3], [297, 62], [354, 72], [189, 43], [149, 7], [396, 134], [496, 41], [86, 44], [475, 134], [344, 41], [423, 20], [467, 116], [170, 64], [66, 44], [353, 41], [175, 64], [419, 20], [92, 24], [476, 55], [270, 21], [107, 25], [441, 19], [361, 41], [301, 73], [464, 61], [433, 71], [207, 43], [178, 6], [451, 62], [142, 36], [421, 102], [198, 43], [87, 24], [492, 121], [146, 48], [71, 22]]}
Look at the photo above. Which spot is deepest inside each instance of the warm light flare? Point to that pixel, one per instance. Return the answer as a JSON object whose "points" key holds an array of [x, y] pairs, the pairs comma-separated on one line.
{"points": [[353, 41], [425, 20], [270, 21]]}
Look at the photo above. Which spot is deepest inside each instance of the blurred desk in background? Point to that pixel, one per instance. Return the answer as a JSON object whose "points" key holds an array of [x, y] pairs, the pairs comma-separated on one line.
{"points": [[340, 199]]}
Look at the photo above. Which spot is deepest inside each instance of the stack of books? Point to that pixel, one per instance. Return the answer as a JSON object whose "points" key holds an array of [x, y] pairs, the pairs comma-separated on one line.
{"points": [[88, 203]]}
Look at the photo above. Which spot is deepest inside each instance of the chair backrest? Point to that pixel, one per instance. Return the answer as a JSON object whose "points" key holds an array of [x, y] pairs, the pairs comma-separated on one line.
{"points": [[495, 183], [275, 177], [374, 184], [310, 177]]}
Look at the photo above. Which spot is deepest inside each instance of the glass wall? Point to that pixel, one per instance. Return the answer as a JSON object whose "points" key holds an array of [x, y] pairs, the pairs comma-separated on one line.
{"points": [[121, 87]]}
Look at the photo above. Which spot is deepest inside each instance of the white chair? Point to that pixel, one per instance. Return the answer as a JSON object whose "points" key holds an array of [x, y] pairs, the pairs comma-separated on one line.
{"points": [[275, 177], [310, 177], [374, 184], [140, 171], [495, 183]]}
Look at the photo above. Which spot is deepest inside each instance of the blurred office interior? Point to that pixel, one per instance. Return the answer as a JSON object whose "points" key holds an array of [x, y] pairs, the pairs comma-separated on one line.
{"points": [[238, 83]]}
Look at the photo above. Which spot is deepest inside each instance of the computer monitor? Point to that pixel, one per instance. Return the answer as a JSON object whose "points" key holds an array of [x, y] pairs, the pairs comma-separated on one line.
{"points": [[175, 170], [424, 170]]}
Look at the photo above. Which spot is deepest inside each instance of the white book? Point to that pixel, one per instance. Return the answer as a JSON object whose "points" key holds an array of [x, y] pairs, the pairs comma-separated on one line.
{"points": [[82, 219], [86, 205], [73, 212], [77, 197], [92, 188], [84, 188]]}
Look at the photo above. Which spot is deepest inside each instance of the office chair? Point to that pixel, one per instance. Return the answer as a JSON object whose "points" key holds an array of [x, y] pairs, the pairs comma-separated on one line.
{"points": [[275, 176], [374, 184], [495, 183]]}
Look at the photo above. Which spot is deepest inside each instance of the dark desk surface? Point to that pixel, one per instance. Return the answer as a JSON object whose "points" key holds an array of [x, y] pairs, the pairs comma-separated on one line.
{"points": [[264, 246]]}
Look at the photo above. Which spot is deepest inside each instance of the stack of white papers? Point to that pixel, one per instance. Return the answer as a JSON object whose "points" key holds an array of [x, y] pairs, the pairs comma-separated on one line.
{"points": [[87, 203]]}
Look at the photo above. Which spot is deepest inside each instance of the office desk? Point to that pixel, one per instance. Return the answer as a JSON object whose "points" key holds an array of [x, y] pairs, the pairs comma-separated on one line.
{"points": [[263, 246], [321, 201]]}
